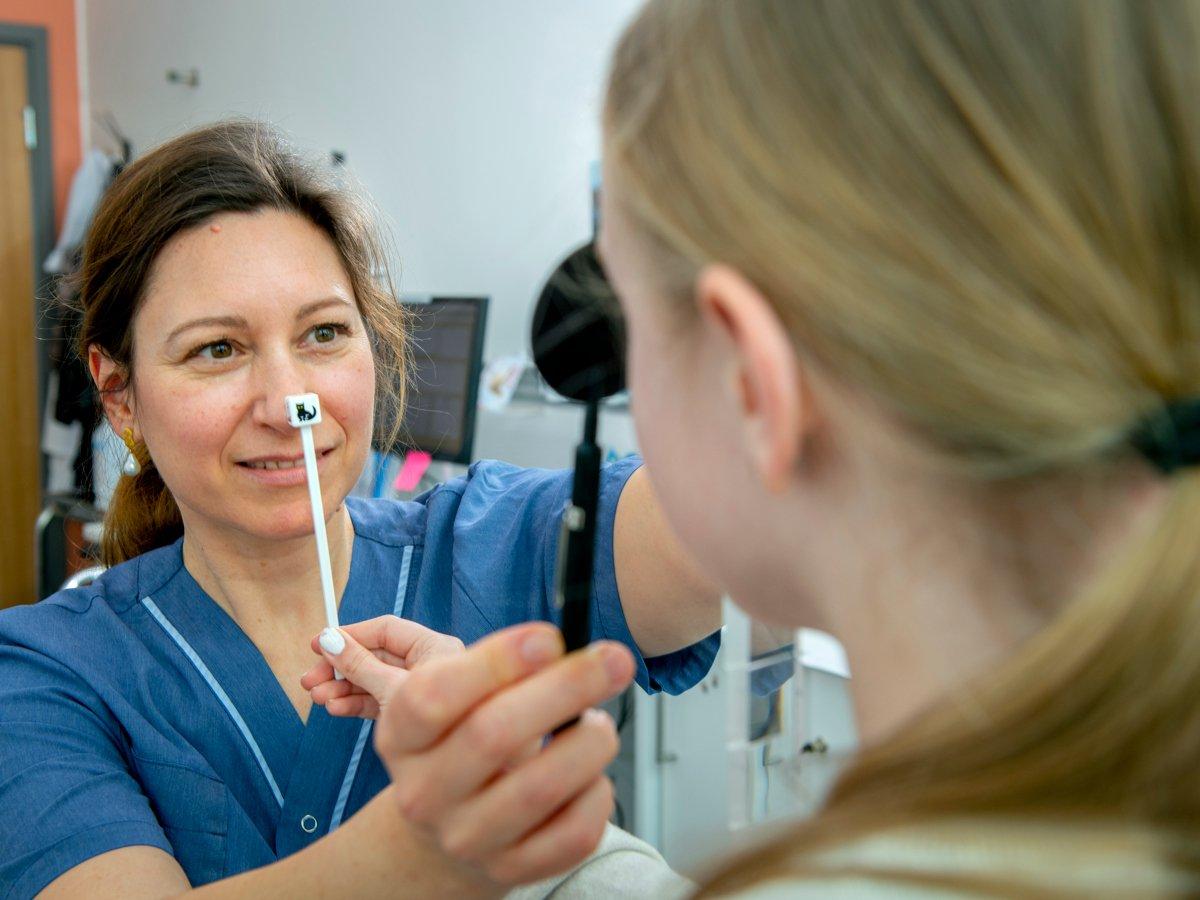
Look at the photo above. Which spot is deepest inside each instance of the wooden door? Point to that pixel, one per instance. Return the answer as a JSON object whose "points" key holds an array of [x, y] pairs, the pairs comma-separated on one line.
{"points": [[20, 476]]}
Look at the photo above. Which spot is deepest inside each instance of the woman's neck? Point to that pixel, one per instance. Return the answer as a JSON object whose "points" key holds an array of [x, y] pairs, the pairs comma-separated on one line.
{"points": [[273, 584]]}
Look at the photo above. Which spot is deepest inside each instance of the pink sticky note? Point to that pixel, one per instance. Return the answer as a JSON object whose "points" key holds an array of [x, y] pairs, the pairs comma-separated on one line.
{"points": [[415, 464]]}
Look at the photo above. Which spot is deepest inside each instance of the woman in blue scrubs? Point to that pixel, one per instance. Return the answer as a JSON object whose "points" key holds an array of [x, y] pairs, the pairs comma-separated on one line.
{"points": [[154, 733]]}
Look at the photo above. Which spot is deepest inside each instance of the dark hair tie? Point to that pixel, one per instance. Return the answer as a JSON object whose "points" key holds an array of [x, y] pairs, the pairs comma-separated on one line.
{"points": [[1170, 438]]}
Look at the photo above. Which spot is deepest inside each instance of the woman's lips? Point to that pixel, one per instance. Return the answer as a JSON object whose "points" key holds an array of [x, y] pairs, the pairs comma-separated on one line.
{"points": [[282, 472]]}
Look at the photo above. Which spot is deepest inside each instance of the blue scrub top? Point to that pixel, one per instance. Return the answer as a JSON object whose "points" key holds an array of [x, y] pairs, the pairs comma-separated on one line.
{"points": [[135, 711]]}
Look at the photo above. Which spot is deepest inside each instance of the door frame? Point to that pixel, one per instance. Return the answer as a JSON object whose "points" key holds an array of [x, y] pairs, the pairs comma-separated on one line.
{"points": [[33, 39]]}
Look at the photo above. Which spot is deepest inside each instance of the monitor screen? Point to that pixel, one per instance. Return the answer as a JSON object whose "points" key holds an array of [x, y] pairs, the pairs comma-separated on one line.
{"points": [[443, 387]]}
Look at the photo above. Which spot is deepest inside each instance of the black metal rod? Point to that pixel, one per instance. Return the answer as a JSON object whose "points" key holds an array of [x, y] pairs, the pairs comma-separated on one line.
{"points": [[577, 560], [580, 534]]}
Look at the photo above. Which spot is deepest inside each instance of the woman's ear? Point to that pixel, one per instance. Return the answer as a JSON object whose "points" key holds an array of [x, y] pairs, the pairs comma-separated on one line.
{"points": [[112, 381], [774, 407]]}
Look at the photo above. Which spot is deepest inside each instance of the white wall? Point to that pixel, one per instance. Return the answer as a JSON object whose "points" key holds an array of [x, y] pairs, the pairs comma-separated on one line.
{"points": [[472, 123]]}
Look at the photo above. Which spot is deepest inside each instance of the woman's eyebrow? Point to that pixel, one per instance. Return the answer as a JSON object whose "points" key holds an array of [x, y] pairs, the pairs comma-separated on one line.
{"points": [[238, 322], [224, 321], [309, 308]]}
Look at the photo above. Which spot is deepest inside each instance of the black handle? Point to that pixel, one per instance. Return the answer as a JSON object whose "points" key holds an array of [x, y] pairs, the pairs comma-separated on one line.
{"points": [[579, 531], [577, 548]]}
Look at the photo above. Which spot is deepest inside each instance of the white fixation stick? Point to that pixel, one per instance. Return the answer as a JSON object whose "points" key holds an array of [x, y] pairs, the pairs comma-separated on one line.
{"points": [[304, 411]]}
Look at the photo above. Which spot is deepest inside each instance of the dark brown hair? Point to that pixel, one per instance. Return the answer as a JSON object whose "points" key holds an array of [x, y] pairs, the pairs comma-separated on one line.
{"points": [[232, 166]]}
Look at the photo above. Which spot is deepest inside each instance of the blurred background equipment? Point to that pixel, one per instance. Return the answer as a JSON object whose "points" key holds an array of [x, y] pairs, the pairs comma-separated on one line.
{"points": [[447, 357]]}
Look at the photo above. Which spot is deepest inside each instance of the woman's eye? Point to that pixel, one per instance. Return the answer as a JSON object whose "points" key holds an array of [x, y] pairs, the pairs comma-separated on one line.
{"points": [[328, 332], [215, 350]]}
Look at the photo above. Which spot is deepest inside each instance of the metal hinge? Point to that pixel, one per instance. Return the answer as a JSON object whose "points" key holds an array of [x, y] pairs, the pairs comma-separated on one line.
{"points": [[30, 128]]}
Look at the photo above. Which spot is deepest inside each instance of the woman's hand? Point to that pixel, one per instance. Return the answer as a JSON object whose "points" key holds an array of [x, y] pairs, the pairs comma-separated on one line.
{"points": [[374, 663]]}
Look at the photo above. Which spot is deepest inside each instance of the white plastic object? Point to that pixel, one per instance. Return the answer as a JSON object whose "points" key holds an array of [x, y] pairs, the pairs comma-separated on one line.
{"points": [[303, 412], [303, 409]]}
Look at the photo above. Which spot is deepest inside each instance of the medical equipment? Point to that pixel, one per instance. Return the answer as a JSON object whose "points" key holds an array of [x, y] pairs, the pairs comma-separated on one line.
{"points": [[303, 412], [578, 339], [789, 722], [447, 335]]}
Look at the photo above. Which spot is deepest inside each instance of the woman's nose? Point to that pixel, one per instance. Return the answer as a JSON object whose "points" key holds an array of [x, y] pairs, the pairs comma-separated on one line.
{"points": [[276, 380]]}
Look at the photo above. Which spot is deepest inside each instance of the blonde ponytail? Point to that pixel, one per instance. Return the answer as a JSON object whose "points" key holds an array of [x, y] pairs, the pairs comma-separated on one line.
{"points": [[1093, 723], [1094, 715], [983, 216]]}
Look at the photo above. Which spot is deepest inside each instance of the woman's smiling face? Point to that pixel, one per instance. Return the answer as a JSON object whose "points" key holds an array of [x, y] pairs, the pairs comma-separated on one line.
{"points": [[238, 313]]}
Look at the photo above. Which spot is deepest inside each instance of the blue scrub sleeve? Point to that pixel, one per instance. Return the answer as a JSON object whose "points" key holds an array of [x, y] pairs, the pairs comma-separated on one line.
{"points": [[66, 793], [506, 535]]}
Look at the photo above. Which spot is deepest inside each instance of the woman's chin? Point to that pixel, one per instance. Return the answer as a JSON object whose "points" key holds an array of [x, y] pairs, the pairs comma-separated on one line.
{"points": [[286, 525], [249, 522]]}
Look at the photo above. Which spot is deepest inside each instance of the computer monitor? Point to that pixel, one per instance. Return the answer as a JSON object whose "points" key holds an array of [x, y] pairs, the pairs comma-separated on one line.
{"points": [[443, 387]]}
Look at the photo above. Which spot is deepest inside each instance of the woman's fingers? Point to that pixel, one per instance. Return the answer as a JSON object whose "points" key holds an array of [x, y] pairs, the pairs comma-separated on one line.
{"points": [[444, 690], [496, 731], [332, 690], [394, 641], [323, 693], [344, 698], [523, 798], [318, 674], [406, 641], [323, 671], [372, 658], [565, 841], [360, 667], [359, 706]]}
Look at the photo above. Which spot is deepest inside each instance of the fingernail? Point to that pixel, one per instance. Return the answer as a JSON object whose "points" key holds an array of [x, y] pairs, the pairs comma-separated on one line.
{"points": [[597, 716], [539, 647], [331, 641]]}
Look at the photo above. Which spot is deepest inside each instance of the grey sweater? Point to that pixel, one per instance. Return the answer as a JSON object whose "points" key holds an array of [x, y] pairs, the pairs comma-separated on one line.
{"points": [[621, 866]]}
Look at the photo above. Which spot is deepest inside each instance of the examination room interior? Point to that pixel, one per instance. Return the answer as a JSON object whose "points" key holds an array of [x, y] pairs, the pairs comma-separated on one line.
{"points": [[474, 128]]}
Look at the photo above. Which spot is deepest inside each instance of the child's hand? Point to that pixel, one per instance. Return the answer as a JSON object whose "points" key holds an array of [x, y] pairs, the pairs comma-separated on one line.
{"points": [[462, 739]]}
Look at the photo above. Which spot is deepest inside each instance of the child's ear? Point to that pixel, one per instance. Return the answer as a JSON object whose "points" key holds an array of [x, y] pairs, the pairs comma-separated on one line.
{"points": [[768, 380], [112, 382]]}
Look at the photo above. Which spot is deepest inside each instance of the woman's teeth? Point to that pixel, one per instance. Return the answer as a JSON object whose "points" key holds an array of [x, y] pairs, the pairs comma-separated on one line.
{"points": [[276, 464]]}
